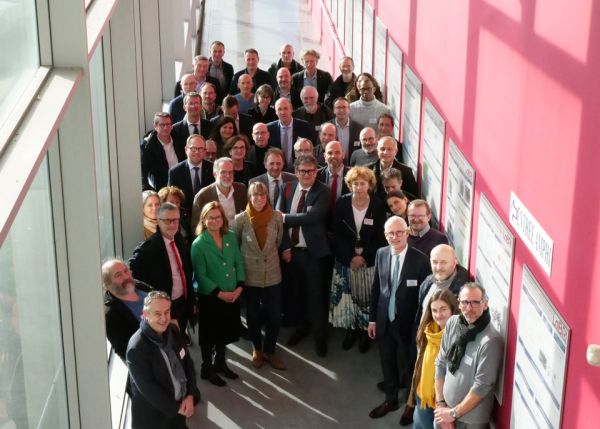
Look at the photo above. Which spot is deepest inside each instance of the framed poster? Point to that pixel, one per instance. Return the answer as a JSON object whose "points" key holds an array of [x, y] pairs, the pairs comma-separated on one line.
{"points": [[348, 35], [357, 35], [368, 24], [394, 88], [434, 129], [341, 19], [379, 63], [411, 124]]}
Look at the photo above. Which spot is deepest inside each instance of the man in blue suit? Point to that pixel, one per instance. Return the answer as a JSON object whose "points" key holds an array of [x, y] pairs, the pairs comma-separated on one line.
{"points": [[305, 204], [399, 270], [285, 131]]}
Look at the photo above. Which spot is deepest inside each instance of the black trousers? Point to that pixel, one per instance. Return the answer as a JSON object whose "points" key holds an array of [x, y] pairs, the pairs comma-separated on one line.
{"points": [[270, 298], [397, 360]]}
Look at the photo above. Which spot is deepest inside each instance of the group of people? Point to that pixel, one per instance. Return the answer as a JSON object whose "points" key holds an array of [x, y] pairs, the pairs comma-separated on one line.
{"points": [[291, 203]]}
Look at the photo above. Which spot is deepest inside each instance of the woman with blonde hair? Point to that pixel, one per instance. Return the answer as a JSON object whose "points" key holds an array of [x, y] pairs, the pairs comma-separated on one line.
{"points": [[150, 205]]}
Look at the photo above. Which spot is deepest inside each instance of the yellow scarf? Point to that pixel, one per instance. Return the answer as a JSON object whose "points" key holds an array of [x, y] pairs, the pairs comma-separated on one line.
{"points": [[426, 387]]}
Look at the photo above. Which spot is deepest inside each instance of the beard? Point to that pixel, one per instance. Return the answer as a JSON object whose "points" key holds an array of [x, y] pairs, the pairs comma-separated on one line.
{"points": [[125, 287]]}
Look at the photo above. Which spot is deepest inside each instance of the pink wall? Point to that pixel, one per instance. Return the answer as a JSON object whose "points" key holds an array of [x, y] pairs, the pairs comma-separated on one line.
{"points": [[518, 85]]}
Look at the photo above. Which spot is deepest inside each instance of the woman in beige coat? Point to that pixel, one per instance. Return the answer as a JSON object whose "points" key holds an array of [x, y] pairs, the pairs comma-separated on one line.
{"points": [[259, 230]]}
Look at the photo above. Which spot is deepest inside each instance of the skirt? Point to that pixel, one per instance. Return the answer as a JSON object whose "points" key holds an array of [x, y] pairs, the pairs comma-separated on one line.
{"points": [[350, 296]]}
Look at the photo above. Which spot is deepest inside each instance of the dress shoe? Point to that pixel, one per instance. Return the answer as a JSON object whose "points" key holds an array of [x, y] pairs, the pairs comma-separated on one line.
{"points": [[221, 367], [257, 359], [382, 410], [210, 375], [381, 386], [321, 348], [296, 337], [364, 343], [275, 361], [349, 339], [407, 416]]}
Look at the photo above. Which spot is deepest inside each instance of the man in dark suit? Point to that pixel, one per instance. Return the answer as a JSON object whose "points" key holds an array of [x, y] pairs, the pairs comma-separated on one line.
{"points": [[192, 123], [328, 133], [256, 154], [284, 88], [230, 194], [399, 270], [334, 171], [175, 109], [311, 111], [194, 173], [386, 151], [275, 178], [219, 69], [159, 152], [312, 76], [163, 261], [200, 72], [286, 60], [288, 128], [161, 370], [348, 131], [259, 77], [305, 204]]}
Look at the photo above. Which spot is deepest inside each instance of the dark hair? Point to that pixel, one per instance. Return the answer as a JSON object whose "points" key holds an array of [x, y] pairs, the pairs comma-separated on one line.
{"points": [[216, 134], [305, 159], [231, 141], [354, 95]]}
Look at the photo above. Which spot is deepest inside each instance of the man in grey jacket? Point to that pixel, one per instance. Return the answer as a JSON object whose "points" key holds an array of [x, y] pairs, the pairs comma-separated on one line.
{"points": [[466, 368]]}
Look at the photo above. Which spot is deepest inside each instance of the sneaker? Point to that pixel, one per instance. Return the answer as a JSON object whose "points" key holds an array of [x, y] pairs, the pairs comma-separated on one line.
{"points": [[275, 361], [257, 359]]}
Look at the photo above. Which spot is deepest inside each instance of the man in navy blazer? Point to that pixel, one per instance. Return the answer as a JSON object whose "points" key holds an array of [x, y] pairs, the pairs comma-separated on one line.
{"points": [[192, 123], [294, 128], [399, 270], [275, 178], [304, 204], [348, 131], [183, 174], [311, 75], [175, 109]]}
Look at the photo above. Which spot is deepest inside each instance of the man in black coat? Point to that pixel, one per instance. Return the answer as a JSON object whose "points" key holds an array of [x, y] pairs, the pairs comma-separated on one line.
{"points": [[259, 77], [161, 370], [286, 60], [192, 123], [201, 64], [387, 148], [311, 76], [218, 68]]}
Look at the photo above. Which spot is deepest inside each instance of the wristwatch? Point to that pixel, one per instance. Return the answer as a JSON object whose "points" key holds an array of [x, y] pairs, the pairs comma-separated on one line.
{"points": [[453, 414]]}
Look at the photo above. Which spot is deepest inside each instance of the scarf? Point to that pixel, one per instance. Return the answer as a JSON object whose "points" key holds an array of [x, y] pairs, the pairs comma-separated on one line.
{"points": [[426, 387], [166, 346], [260, 221], [468, 334], [150, 224]]}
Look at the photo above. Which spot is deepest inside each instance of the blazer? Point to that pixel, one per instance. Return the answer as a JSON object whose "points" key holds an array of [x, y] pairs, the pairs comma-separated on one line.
{"points": [[409, 184], [338, 88], [152, 394], [354, 137], [323, 114], [217, 270], [257, 115], [121, 323], [262, 265], [155, 169], [181, 177], [323, 175], [181, 130], [175, 109], [415, 269], [209, 194], [227, 72], [261, 77], [300, 128], [284, 178], [295, 97], [294, 67], [150, 264], [371, 230], [312, 219], [324, 81], [208, 79]]}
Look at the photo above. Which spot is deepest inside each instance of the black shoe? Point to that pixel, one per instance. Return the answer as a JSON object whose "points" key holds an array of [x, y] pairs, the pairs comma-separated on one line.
{"points": [[383, 409], [381, 386], [407, 416], [210, 375], [349, 339], [188, 339], [321, 347], [296, 337], [244, 333], [222, 368], [364, 343]]}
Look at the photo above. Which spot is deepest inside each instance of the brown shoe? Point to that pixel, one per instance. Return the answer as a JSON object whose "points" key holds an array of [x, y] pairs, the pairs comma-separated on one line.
{"points": [[407, 416], [383, 409], [257, 359], [275, 361]]}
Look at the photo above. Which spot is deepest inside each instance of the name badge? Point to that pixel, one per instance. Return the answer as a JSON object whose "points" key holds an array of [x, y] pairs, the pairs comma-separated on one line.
{"points": [[468, 360], [308, 208], [412, 283], [248, 238], [373, 121], [357, 143], [182, 353], [368, 221], [317, 128]]}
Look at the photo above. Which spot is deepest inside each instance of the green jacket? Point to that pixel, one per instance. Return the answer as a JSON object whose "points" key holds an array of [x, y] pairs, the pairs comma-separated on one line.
{"points": [[213, 268]]}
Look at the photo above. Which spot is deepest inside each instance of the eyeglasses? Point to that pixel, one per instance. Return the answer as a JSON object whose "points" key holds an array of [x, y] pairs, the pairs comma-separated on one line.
{"points": [[164, 125], [474, 304], [226, 172], [392, 234], [169, 221], [306, 172], [194, 149], [415, 216]]}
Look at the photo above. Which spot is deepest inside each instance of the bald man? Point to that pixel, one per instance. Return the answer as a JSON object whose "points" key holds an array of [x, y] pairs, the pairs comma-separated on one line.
{"points": [[286, 60], [327, 134]]}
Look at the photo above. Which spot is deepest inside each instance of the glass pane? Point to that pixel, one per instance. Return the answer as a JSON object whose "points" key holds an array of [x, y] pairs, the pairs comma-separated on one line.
{"points": [[20, 51], [32, 379], [105, 215]]}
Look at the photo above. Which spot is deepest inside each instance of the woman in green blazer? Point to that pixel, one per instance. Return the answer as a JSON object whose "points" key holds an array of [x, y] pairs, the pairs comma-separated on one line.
{"points": [[219, 272]]}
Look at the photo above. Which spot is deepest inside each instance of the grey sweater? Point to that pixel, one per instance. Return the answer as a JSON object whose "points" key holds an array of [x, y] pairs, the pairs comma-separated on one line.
{"points": [[478, 370]]}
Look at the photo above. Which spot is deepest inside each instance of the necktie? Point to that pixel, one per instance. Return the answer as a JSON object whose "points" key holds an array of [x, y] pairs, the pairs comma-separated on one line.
{"points": [[284, 145], [181, 273], [299, 209], [196, 131], [394, 284], [275, 192], [334, 188], [196, 184]]}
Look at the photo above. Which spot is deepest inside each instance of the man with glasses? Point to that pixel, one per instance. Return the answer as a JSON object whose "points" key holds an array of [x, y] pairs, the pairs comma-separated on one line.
{"points": [[231, 195], [422, 236], [194, 173], [257, 152], [367, 108], [304, 204], [466, 368], [368, 152], [163, 261], [348, 130], [192, 122], [399, 270], [387, 148]]}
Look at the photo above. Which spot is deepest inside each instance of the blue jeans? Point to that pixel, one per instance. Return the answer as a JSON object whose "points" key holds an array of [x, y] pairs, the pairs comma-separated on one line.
{"points": [[422, 418]]}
